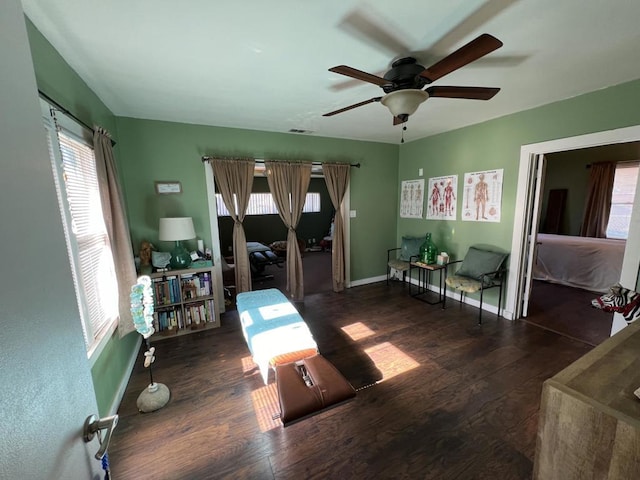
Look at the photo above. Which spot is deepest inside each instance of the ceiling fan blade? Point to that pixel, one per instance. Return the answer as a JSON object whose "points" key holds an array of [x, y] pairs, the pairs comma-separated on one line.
{"points": [[359, 75], [472, 22], [398, 120], [351, 83], [473, 50], [372, 27], [355, 105], [472, 93]]}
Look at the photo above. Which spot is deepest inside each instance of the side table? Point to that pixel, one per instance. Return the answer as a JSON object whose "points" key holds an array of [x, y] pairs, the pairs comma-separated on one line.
{"points": [[424, 279]]}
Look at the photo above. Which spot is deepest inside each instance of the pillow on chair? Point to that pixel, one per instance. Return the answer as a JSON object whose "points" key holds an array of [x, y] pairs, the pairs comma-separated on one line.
{"points": [[476, 262], [410, 247]]}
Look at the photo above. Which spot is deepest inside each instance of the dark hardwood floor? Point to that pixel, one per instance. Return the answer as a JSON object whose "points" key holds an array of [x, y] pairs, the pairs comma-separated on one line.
{"points": [[568, 311], [445, 399]]}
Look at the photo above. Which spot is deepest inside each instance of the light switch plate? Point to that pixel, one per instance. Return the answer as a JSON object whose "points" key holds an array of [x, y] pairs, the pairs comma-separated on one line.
{"points": [[420, 172], [352, 213]]}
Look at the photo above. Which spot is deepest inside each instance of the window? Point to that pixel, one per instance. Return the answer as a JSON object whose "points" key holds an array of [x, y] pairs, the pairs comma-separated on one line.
{"points": [[624, 189], [263, 204], [71, 152]]}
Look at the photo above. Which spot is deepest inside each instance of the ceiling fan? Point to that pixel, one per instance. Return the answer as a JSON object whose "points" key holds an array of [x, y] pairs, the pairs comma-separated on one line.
{"points": [[403, 84]]}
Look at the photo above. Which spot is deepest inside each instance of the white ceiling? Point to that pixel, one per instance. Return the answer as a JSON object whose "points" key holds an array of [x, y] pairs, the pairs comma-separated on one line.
{"points": [[264, 65]]}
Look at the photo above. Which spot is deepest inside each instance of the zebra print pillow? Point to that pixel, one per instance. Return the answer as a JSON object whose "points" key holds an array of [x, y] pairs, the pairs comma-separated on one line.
{"points": [[620, 300]]}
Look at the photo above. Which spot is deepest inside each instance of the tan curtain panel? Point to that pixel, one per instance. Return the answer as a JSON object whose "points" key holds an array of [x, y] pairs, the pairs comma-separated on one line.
{"points": [[598, 202], [234, 178], [336, 177], [289, 183], [115, 220]]}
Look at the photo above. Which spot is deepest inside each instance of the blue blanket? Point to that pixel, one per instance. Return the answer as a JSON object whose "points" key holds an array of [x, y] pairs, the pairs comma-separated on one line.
{"points": [[271, 326]]}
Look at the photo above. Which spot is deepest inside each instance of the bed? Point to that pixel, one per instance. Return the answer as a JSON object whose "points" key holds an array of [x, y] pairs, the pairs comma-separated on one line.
{"points": [[592, 264], [273, 329]]}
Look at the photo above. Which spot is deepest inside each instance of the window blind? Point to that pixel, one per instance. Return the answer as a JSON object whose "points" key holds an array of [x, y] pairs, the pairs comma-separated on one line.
{"points": [[622, 199], [263, 204], [94, 271]]}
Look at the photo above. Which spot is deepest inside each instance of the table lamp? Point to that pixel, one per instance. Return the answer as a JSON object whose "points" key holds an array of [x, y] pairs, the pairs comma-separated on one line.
{"points": [[177, 229]]}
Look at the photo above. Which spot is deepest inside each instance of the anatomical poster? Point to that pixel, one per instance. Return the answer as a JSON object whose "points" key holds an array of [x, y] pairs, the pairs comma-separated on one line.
{"points": [[482, 196], [412, 198], [442, 198]]}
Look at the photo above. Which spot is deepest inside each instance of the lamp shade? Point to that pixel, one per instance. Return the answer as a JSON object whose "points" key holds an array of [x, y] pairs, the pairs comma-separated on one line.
{"points": [[176, 228], [404, 102]]}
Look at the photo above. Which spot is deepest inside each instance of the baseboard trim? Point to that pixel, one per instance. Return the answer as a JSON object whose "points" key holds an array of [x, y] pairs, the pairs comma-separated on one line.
{"points": [[125, 378], [486, 307], [455, 296], [366, 281]]}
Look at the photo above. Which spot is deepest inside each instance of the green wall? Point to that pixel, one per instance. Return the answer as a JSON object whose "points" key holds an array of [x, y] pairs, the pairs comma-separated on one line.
{"points": [[56, 79], [570, 173], [154, 150], [496, 144], [60, 82], [150, 150]]}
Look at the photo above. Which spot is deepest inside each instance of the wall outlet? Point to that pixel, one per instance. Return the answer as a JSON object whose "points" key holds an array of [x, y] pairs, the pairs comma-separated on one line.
{"points": [[352, 213], [420, 172]]}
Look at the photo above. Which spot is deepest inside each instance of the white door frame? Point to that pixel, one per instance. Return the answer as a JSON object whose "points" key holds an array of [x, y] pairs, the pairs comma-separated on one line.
{"points": [[532, 219], [346, 231], [631, 261]]}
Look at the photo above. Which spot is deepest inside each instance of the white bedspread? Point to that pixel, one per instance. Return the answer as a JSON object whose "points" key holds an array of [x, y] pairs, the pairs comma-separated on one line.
{"points": [[589, 263]]}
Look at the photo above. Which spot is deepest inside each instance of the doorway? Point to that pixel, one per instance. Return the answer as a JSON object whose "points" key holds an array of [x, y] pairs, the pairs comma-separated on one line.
{"points": [[218, 252], [527, 217]]}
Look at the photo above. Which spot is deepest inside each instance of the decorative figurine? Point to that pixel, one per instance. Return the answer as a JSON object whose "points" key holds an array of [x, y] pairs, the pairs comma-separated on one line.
{"points": [[145, 257]]}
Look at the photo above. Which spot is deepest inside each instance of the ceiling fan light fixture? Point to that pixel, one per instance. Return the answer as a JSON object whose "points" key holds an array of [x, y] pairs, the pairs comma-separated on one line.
{"points": [[404, 102]]}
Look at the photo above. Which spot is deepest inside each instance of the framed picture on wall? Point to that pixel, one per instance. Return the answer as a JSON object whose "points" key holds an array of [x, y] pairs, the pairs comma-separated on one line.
{"points": [[442, 195], [168, 187], [482, 196], [412, 198]]}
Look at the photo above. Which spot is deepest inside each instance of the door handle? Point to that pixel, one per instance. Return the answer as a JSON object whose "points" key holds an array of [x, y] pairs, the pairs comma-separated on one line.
{"points": [[93, 425]]}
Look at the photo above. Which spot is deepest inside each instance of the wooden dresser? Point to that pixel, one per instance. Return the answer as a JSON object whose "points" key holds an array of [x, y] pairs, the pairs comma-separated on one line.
{"points": [[589, 426]]}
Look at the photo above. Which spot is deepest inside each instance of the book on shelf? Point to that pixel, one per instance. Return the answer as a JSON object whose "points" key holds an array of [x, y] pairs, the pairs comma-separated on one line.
{"points": [[168, 319], [166, 290], [183, 301], [206, 284]]}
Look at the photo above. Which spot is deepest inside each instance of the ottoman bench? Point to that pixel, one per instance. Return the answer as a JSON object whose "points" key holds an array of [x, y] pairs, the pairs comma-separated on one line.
{"points": [[310, 386]]}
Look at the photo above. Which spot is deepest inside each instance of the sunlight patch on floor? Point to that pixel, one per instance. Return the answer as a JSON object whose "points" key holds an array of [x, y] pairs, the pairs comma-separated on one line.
{"points": [[265, 405], [358, 331], [248, 365], [390, 360]]}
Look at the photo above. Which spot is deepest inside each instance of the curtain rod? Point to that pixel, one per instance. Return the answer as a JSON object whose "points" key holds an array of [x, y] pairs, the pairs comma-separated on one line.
{"points": [[67, 112], [206, 158]]}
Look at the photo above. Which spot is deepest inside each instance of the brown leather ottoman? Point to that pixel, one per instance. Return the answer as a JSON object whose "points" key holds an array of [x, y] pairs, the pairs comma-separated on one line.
{"points": [[292, 357], [310, 386]]}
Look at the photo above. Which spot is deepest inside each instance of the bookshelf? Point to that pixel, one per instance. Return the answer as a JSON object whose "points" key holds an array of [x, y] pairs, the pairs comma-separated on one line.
{"points": [[184, 301]]}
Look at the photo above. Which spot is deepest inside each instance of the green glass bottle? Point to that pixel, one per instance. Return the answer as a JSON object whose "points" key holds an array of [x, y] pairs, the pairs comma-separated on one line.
{"points": [[428, 251]]}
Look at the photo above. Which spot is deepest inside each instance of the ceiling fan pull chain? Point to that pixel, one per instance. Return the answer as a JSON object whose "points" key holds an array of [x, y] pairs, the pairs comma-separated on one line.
{"points": [[404, 127]]}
